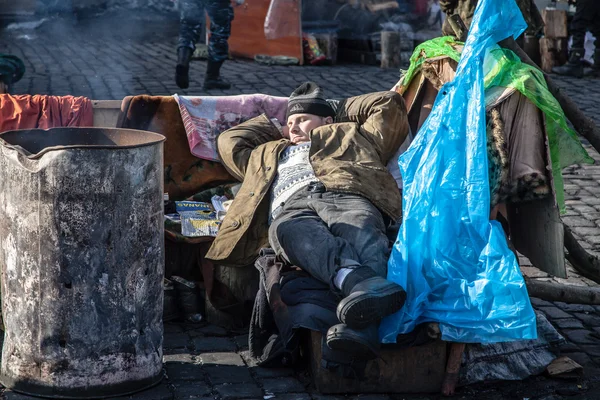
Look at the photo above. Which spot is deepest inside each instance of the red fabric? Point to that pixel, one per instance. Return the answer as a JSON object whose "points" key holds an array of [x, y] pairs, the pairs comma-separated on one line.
{"points": [[40, 111]]}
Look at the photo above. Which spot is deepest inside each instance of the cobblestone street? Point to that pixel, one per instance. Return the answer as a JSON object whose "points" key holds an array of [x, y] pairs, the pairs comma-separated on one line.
{"points": [[119, 53]]}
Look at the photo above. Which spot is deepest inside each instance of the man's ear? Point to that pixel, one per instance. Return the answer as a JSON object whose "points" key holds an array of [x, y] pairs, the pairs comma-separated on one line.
{"points": [[328, 120]]}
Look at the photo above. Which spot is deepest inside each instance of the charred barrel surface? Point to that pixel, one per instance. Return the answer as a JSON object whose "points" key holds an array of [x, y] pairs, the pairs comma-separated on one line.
{"points": [[81, 253]]}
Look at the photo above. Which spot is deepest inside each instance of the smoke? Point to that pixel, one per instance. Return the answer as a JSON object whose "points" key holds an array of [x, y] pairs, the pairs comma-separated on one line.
{"points": [[62, 6]]}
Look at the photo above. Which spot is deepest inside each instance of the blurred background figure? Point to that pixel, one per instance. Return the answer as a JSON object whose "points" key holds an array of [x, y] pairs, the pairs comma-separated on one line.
{"points": [[192, 18], [587, 18], [12, 70]]}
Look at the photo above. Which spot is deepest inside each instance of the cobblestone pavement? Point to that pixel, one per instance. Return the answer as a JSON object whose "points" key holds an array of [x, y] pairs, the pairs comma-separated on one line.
{"points": [[116, 54]]}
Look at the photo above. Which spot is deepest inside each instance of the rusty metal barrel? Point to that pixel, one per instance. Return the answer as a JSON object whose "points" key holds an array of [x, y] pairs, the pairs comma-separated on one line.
{"points": [[82, 260]]}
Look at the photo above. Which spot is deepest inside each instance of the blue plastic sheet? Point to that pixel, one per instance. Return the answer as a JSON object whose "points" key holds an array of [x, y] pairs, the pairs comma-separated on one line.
{"points": [[452, 260]]}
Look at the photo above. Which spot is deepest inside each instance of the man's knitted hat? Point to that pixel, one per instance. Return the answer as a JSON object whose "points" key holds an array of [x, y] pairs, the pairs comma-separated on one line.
{"points": [[308, 99]]}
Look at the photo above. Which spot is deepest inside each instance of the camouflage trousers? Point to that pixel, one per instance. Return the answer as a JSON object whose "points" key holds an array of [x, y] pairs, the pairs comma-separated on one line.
{"points": [[587, 18], [220, 13]]}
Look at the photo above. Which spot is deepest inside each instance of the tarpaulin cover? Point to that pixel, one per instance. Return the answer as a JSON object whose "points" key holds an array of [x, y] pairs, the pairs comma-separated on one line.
{"points": [[452, 260]]}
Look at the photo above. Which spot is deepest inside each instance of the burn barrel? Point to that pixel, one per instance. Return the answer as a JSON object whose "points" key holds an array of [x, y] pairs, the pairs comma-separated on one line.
{"points": [[81, 255]]}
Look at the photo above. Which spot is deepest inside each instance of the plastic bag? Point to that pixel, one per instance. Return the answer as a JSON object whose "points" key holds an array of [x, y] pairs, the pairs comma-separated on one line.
{"points": [[277, 21], [452, 260]]}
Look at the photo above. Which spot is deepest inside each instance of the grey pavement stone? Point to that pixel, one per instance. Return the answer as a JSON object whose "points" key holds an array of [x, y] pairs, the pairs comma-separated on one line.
{"points": [[221, 359], [584, 232], [589, 319], [580, 336], [534, 272], [271, 372], [595, 240], [218, 374], [592, 351], [160, 392], [183, 357], [554, 312], [176, 340], [584, 209], [282, 385], [584, 181], [239, 391], [539, 302], [191, 390], [212, 330], [568, 323], [216, 344], [10, 395], [172, 328], [184, 372], [578, 222], [569, 347], [241, 342], [574, 307], [291, 396]]}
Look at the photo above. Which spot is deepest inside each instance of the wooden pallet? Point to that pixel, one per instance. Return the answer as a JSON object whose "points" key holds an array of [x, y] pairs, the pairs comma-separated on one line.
{"points": [[419, 369]]}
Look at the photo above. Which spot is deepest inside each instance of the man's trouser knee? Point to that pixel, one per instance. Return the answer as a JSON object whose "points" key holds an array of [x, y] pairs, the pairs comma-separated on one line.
{"points": [[585, 19], [191, 20], [220, 13], [323, 232]]}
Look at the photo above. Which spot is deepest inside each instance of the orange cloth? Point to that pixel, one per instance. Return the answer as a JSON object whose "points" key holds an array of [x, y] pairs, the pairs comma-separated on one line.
{"points": [[41, 111]]}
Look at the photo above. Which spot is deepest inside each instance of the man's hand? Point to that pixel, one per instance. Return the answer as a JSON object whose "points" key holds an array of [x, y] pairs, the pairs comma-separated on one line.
{"points": [[448, 5]]}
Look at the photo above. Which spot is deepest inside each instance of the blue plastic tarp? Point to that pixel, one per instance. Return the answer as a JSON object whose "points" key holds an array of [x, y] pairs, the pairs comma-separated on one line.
{"points": [[452, 260]]}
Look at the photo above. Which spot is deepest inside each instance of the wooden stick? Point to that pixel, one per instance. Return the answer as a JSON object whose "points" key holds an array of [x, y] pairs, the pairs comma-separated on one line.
{"points": [[585, 263], [458, 26], [550, 291], [390, 49], [453, 368]]}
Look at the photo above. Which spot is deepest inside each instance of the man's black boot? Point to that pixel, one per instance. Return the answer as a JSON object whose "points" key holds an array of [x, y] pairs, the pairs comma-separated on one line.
{"points": [[212, 79], [182, 70], [368, 299], [573, 67], [363, 343]]}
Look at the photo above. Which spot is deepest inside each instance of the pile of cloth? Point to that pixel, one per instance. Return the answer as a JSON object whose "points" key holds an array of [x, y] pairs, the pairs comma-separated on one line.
{"points": [[44, 112]]}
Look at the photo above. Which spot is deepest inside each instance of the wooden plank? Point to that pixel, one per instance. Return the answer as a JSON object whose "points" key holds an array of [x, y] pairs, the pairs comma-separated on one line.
{"points": [[548, 54], [563, 366], [418, 369], [555, 24], [242, 283], [390, 49], [537, 232], [248, 34], [106, 113]]}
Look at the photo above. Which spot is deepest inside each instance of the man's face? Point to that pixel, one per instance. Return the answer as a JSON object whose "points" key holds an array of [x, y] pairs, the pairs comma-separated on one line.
{"points": [[299, 126]]}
